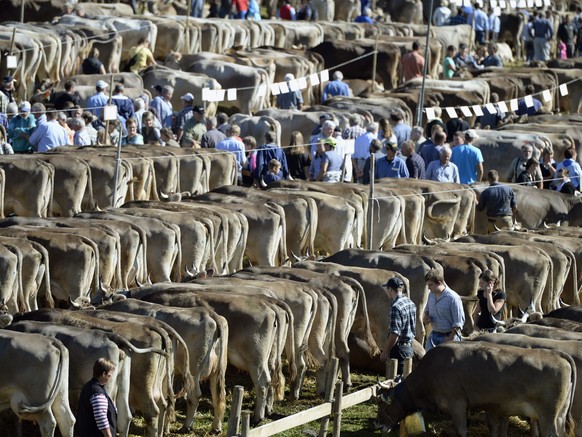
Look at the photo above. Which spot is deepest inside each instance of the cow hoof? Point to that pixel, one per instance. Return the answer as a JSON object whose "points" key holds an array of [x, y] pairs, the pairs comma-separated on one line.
{"points": [[185, 430], [215, 431]]}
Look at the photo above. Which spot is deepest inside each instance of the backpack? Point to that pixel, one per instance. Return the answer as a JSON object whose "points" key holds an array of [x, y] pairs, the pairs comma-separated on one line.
{"points": [[131, 62]]}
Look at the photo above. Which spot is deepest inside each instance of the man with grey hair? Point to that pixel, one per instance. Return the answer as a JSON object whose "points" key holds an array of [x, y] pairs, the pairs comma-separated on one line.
{"points": [[518, 165], [38, 110], [162, 106], [327, 129], [354, 130], [81, 137], [362, 150], [212, 136], [233, 144], [417, 136], [290, 99], [443, 170], [139, 106], [336, 87]]}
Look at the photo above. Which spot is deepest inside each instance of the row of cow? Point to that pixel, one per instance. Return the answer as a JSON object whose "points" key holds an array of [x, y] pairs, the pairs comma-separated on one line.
{"points": [[531, 370], [307, 314]]}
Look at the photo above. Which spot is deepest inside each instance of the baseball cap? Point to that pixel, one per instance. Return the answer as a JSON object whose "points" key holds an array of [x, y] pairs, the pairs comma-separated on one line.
{"points": [[101, 84], [394, 283], [471, 133], [8, 79], [199, 109], [331, 142], [188, 97], [24, 106], [289, 76], [392, 146], [325, 116]]}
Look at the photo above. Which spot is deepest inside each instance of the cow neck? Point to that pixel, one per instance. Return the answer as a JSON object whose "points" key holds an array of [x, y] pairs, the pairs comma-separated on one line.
{"points": [[402, 393]]}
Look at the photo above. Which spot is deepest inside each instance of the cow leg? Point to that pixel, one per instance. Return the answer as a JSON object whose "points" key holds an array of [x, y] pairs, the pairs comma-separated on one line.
{"points": [[459, 416], [122, 399], [262, 380], [192, 401], [217, 402], [63, 414], [493, 423], [47, 423]]}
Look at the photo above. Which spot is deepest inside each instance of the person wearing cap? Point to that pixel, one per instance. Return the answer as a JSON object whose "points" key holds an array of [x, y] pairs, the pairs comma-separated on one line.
{"points": [[50, 134], [499, 202], [391, 166], [269, 151], [442, 169], [8, 89], [97, 101], [330, 165], [290, 99], [184, 115], [441, 14], [402, 324], [124, 104], [212, 136], [20, 127], [195, 127], [336, 87], [443, 311], [162, 106], [468, 159]]}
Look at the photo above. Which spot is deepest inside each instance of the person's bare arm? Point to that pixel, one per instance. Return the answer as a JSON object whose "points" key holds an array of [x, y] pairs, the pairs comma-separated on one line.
{"points": [[479, 172]]}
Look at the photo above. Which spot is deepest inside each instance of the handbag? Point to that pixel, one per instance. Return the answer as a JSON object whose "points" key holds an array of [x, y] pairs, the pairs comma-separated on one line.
{"points": [[131, 62]]}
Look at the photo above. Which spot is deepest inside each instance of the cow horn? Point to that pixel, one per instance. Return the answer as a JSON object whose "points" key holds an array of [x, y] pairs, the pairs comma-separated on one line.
{"points": [[263, 184], [497, 322], [74, 304], [562, 303], [189, 273], [297, 259], [164, 195], [524, 317], [546, 225], [101, 286], [496, 228], [386, 384], [425, 240], [139, 284]]}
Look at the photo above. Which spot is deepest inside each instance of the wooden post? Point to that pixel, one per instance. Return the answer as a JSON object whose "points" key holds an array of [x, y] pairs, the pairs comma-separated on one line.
{"points": [[391, 368], [107, 140], [375, 59], [22, 11], [329, 389], [235, 410], [12, 40], [371, 202], [246, 423], [188, 27], [336, 409], [407, 367]]}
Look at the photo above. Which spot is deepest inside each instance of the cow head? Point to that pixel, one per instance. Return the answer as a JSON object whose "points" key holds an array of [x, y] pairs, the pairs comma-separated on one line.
{"points": [[390, 409], [80, 303]]}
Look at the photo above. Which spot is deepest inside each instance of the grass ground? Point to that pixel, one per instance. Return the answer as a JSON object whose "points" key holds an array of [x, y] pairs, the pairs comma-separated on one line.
{"points": [[356, 421]]}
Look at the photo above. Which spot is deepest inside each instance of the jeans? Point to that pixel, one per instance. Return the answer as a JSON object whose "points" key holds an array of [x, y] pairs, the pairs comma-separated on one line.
{"points": [[400, 353], [436, 338]]}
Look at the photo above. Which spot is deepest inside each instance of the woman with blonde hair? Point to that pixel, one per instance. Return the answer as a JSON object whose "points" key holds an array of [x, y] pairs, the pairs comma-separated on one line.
{"points": [[297, 157], [386, 134]]}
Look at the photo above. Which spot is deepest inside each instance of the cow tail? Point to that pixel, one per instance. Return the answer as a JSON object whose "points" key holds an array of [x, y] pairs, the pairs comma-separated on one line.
{"points": [[62, 372], [20, 297], [574, 274], [89, 188], [50, 187], [570, 424], [48, 296], [403, 221], [222, 363], [362, 309]]}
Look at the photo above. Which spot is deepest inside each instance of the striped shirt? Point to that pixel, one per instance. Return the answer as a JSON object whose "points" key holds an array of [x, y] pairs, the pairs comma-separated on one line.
{"points": [[99, 405]]}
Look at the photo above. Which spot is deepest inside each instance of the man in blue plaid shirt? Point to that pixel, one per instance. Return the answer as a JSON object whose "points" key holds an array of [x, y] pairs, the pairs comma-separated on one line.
{"points": [[402, 324]]}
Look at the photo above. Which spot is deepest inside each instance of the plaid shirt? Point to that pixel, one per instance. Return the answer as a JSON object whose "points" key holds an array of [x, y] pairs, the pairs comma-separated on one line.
{"points": [[353, 132], [403, 319]]}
